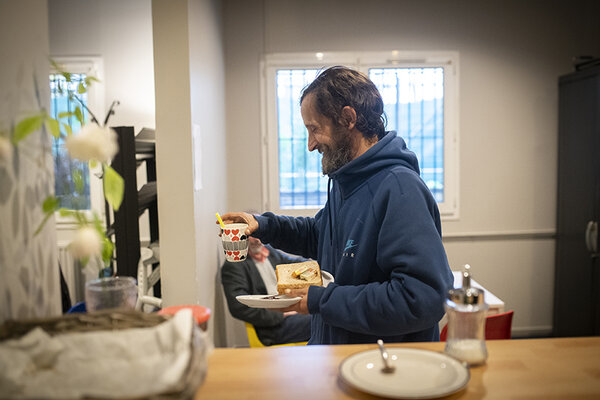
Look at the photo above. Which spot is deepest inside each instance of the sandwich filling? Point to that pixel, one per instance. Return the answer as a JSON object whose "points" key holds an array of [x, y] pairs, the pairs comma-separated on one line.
{"points": [[299, 275]]}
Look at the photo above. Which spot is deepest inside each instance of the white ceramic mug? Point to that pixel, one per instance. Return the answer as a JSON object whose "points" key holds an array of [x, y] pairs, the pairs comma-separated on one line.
{"points": [[235, 242]]}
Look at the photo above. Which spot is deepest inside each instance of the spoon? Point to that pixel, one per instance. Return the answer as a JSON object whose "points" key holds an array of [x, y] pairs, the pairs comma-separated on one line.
{"points": [[387, 367]]}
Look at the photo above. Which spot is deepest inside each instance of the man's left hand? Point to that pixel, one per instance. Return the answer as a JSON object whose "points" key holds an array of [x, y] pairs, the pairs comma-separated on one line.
{"points": [[300, 307]]}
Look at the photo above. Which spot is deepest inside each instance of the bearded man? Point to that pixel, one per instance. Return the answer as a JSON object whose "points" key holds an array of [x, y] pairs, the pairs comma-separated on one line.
{"points": [[379, 233]]}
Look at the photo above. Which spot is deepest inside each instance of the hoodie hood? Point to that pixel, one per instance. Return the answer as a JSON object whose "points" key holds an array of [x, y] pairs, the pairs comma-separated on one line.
{"points": [[388, 152]]}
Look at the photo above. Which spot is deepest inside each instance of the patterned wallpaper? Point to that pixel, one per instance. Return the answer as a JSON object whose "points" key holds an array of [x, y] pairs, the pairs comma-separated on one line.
{"points": [[29, 277]]}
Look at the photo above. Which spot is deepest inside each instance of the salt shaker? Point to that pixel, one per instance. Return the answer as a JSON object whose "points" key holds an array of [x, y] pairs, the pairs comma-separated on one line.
{"points": [[466, 310]]}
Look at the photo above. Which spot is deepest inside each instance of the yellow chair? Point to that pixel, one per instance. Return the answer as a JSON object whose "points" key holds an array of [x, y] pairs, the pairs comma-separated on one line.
{"points": [[254, 341]]}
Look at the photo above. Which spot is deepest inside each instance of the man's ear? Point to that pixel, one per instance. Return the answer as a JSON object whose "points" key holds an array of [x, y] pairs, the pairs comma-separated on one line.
{"points": [[349, 117]]}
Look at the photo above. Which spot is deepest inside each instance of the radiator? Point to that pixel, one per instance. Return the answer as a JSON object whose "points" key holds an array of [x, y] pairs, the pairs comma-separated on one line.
{"points": [[75, 276]]}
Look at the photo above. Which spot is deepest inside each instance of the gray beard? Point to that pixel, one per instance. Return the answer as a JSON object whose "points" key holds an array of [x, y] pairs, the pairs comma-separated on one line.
{"points": [[340, 154]]}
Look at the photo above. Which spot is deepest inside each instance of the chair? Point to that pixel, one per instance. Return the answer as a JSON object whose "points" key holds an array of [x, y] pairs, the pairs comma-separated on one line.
{"points": [[200, 313], [497, 327], [254, 341], [77, 308], [147, 281]]}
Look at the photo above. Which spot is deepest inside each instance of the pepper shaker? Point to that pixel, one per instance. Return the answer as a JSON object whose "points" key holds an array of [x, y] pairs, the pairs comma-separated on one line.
{"points": [[466, 310]]}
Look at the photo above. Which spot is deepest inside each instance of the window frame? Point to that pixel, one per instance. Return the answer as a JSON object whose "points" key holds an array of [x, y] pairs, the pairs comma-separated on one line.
{"points": [[95, 102], [362, 61]]}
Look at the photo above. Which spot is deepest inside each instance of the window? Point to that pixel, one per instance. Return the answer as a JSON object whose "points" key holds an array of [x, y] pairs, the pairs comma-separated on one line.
{"points": [[301, 183], [66, 168], [420, 99]]}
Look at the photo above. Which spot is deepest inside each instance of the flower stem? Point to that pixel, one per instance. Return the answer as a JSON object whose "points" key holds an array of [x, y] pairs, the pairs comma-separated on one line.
{"points": [[94, 119], [111, 111]]}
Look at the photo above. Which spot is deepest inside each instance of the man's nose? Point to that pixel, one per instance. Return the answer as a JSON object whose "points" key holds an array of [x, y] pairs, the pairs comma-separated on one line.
{"points": [[312, 142]]}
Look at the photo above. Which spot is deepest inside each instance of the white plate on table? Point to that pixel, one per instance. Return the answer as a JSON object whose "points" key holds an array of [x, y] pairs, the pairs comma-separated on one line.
{"points": [[276, 301], [419, 374]]}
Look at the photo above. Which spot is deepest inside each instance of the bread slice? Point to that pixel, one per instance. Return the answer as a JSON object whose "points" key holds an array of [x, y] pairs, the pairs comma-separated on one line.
{"points": [[298, 275]]}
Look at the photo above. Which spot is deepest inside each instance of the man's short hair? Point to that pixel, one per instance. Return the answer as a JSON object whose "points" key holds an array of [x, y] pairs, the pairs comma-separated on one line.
{"points": [[337, 87]]}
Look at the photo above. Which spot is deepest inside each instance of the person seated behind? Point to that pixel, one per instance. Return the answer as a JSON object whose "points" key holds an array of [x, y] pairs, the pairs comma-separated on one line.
{"points": [[256, 275]]}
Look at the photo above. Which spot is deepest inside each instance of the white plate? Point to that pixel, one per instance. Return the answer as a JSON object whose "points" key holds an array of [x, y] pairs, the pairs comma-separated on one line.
{"points": [[327, 278], [282, 301], [419, 374], [262, 300]]}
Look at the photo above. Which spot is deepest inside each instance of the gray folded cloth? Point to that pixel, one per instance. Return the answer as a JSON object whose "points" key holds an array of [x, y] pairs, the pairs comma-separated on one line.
{"points": [[130, 363]]}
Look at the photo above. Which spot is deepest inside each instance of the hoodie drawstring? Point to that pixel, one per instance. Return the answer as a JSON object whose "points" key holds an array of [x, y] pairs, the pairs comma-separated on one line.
{"points": [[330, 211]]}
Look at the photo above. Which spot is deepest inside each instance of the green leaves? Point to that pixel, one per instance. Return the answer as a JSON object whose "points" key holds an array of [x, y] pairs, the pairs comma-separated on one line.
{"points": [[49, 205], [78, 180], [107, 244], [89, 79], [114, 187], [31, 124], [65, 114], [68, 129], [59, 69], [79, 115], [27, 126], [65, 212], [107, 250], [72, 87], [53, 127]]}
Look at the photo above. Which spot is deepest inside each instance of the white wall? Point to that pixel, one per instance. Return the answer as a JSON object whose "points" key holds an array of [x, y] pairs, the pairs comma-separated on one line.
{"points": [[121, 33], [174, 152], [511, 55], [207, 79], [190, 127]]}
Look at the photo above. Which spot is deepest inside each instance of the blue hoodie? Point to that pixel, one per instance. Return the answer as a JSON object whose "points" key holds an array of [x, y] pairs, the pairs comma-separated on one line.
{"points": [[380, 236]]}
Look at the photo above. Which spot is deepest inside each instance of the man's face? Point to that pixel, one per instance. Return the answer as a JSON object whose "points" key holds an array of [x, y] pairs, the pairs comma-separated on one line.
{"points": [[333, 142], [254, 245]]}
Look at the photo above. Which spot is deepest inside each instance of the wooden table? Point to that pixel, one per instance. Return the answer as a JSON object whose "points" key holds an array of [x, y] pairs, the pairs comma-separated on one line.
{"points": [[516, 369]]}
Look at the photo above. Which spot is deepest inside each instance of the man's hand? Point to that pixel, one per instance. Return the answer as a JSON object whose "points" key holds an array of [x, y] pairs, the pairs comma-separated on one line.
{"points": [[289, 313], [241, 217], [300, 307]]}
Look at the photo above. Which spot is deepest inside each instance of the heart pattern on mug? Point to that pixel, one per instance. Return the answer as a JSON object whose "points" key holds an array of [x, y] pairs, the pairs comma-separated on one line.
{"points": [[235, 234], [235, 255], [234, 243]]}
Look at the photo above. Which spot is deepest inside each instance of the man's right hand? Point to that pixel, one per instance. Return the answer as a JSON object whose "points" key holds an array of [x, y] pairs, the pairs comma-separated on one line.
{"points": [[241, 217]]}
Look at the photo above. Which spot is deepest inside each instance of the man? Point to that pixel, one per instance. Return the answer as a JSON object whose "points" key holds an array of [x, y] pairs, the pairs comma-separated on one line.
{"points": [[256, 275], [379, 233]]}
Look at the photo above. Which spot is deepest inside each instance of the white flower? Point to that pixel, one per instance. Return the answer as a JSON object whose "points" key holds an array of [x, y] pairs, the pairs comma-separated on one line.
{"points": [[93, 143], [87, 243], [5, 151]]}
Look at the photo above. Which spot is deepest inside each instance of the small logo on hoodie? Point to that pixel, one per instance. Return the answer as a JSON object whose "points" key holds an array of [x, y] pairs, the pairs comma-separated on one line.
{"points": [[350, 248]]}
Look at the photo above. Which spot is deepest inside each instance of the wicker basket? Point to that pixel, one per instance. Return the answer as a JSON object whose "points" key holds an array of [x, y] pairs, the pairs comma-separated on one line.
{"points": [[82, 322], [117, 320]]}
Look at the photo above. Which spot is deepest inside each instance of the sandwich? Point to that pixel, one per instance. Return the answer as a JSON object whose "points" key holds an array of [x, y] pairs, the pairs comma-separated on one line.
{"points": [[298, 275]]}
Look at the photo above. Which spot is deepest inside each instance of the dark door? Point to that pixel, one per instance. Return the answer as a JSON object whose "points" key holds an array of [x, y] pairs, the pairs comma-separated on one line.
{"points": [[577, 279]]}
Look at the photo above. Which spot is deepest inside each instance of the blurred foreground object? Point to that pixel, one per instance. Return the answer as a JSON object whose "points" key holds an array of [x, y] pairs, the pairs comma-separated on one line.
{"points": [[107, 354]]}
